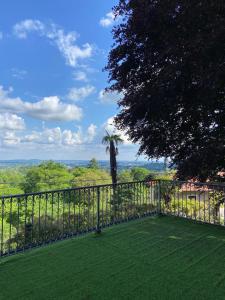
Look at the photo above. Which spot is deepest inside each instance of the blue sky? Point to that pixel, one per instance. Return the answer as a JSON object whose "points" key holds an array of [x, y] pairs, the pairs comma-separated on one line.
{"points": [[52, 104]]}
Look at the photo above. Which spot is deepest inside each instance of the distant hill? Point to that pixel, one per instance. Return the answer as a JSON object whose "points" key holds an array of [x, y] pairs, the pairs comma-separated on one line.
{"points": [[155, 166]]}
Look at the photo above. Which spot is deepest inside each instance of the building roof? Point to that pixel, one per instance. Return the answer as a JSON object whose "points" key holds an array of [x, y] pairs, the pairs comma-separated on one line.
{"points": [[194, 187]]}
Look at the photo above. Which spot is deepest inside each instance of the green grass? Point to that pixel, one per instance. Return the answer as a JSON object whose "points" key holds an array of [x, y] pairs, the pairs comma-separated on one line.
{"points": [[152, 258]]}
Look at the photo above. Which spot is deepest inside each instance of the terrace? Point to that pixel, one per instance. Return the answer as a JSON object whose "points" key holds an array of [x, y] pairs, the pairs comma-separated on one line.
{"points": [[152, 258], [165, 251]]}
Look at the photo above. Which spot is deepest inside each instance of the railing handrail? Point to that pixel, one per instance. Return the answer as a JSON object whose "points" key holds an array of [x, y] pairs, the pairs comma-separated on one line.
{"points": [[2, 197], [34, 219], [176, 182], [219, 184], [29, 220]]}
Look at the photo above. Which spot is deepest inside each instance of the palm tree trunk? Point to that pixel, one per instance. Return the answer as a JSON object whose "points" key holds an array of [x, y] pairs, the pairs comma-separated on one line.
{"points": [[113, 164]]}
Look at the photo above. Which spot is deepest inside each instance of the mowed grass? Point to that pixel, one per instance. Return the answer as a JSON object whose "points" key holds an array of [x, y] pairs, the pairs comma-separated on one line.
{"points": [[152, 258]]}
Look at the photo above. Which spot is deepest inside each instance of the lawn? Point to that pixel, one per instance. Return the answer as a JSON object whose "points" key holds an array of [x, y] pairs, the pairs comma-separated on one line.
{"points": [[152, 258]]}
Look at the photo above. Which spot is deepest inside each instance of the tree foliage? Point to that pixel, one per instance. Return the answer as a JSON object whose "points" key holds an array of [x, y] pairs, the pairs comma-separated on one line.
{"points": [[10, 181], [168, 60], [125, 176], [46, 176], [53, 176], [135, 174], [93, 164], [139, 173], [82, 176]]}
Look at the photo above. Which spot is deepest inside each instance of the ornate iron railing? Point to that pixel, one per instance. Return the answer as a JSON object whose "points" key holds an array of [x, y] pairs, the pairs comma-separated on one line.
{"points": [[30, 220], [203, 202]]}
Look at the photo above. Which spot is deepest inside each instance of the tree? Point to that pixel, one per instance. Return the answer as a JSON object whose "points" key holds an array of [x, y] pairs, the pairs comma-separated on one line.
{"points": [[139, 173], [135, 174], [82, 176], [10, 181], [168, 60], [125, 176], [93, 164], [46, 176], [112, 141]]}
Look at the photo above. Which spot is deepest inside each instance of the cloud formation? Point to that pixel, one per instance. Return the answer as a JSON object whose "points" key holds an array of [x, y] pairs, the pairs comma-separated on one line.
{"points": [[91, 132], [57, 136], [9, 139], [80, 76], [108, 20], [10, 121], [48, 109], [23, 28], [111, 128], [65, 42], [77, 94]]}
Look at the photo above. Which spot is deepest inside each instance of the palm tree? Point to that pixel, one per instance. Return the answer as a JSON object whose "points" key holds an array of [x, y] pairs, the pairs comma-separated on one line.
{"points": [[112, 142]]}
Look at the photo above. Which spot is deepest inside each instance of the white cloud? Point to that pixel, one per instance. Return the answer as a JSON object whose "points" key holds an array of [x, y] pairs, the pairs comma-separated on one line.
{"points": [[11, 122], [80, 76], [52, 109], [111, 128], [69, 50], [48, 109], [91, 132], [47, 136], [108, 20], [70, 138], [76, 94], [32, 137], [65, 42], [22, 28], [10, 139], [56, 136], [58, 143], [108, 97]]}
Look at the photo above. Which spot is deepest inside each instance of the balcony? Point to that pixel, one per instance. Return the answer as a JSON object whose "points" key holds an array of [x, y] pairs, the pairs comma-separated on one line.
{"points": [[151, 258], [137, 240], [36, 219]]}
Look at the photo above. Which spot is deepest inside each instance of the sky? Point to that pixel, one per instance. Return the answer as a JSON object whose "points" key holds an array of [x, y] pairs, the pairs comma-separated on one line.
{"points": [[52, 99]]}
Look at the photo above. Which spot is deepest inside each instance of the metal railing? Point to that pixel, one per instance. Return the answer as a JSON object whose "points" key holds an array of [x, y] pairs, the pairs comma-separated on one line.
{"points": [[35, 219], [203, 202], [30, 220]]}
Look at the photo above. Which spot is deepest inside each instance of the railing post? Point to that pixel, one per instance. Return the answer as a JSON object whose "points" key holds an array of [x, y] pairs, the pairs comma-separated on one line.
{"points": [[159, 208], [98, 228]]}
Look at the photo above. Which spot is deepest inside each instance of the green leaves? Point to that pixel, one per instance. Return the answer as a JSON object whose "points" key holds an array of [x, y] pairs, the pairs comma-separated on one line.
{"points": [[47, 176], [168, 60]]}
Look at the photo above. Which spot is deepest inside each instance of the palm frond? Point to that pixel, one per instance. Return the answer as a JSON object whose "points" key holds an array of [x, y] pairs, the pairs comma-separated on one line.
{"points": [[117, 139], [107, 138], [107, 132], [107, 149]]}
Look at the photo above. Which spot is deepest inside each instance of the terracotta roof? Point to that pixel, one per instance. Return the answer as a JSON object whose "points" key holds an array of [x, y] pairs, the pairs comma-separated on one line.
{"points": [[221, 174], [192, 187]]}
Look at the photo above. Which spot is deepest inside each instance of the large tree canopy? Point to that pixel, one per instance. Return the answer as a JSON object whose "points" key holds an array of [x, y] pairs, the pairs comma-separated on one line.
{"points": [[168, 60]]}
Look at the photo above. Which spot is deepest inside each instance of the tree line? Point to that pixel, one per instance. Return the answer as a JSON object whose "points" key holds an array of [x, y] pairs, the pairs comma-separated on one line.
{"points": [[51, 175]]}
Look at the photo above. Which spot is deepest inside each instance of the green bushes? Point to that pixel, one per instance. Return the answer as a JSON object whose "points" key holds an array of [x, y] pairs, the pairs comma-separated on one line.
{"points": [[33, 219], [135, 174], [50, 175]]}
